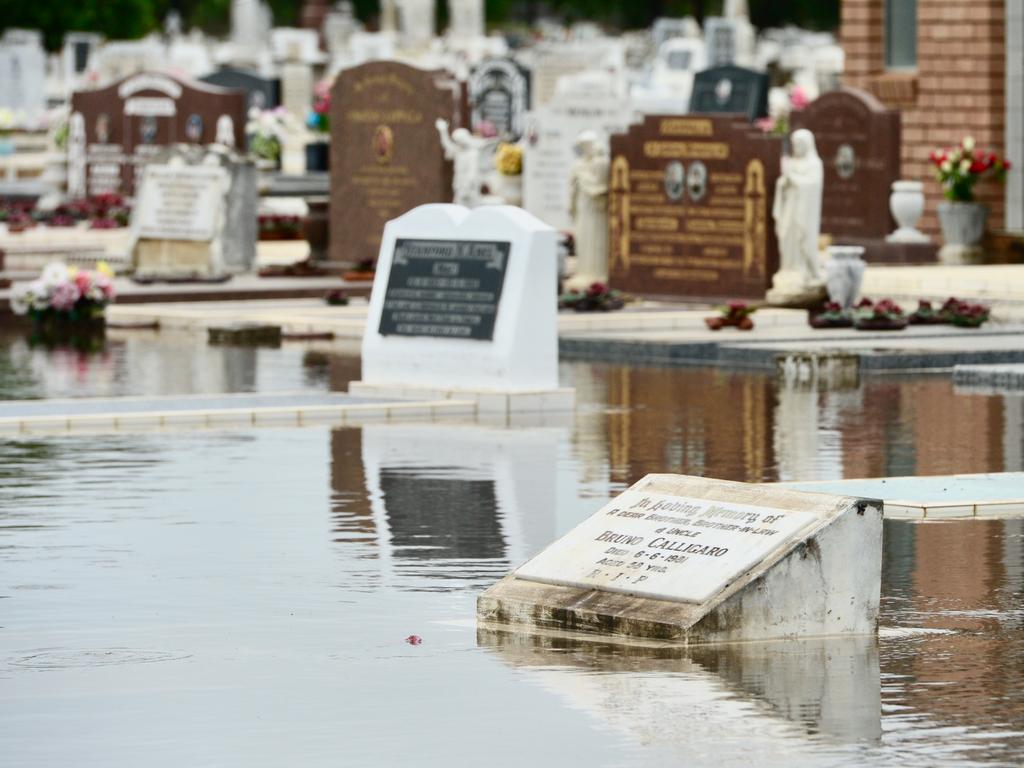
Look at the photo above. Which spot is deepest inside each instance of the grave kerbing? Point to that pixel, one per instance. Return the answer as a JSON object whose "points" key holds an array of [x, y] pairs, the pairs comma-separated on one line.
{"points": [[695, 560]]}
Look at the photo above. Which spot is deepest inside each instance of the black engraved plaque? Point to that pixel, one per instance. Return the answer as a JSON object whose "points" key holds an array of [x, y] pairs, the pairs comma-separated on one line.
{"points": [[444, 289]]}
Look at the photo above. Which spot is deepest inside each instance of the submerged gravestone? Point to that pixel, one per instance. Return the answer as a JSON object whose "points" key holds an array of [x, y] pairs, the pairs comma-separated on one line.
{"points": [[696, 560], [462, 307]]}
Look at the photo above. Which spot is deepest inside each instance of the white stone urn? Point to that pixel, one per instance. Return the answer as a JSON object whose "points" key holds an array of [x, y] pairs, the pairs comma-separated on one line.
{"points": [[963, 225], [507, 187], [907, 205], [844, 273]]}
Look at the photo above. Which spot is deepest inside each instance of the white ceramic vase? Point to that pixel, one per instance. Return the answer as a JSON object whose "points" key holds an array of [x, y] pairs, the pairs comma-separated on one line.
{"points": [[844, 273], [907, 205]]}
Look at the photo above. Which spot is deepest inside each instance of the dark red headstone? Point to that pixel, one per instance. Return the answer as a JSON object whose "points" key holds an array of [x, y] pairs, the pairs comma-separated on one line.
{"points": [[690, 207]]}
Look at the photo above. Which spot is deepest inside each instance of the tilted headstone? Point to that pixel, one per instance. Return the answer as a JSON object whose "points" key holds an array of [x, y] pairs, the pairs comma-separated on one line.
{"points": [[858, 140], [462, 301], [730, 90], [128, 123], [696, 560], [690, 207], [261, 92], [499, 92], [386, 155], [178, 221]]}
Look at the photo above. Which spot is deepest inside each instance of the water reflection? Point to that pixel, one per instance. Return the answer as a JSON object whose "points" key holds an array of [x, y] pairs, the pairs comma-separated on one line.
{"points": [[751, 427], [826, 687], [445, 502]]}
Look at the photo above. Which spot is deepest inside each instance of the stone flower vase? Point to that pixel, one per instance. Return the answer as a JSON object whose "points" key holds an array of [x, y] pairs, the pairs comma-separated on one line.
{"points": [[509, 188], [844, 273], [963, 225], [906, 203]]}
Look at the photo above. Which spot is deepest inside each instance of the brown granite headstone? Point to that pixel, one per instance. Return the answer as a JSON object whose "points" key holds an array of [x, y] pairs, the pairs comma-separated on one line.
{"points": [[386, 155], [690, 207], [858, 140], [128, 122]]}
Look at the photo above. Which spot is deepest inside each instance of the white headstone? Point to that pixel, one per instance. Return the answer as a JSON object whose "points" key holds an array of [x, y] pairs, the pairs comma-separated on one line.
{"points": [[23, 73], [178, 220], [466, 18], [549, 141], [464, 300], [416, 22], [297, 89], [76, 156], [695, 559]]}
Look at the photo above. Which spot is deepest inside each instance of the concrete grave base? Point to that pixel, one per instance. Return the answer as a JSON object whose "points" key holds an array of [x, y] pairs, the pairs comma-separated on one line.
{"points": [[825, 581], [489, 401]]}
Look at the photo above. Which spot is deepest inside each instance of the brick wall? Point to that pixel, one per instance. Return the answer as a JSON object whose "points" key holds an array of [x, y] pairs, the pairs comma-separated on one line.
{"points": [[957, 90]]}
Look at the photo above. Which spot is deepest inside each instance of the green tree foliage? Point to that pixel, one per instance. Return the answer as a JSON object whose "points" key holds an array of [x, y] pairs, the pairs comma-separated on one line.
{"points": [[117, 19], [128, 19]]}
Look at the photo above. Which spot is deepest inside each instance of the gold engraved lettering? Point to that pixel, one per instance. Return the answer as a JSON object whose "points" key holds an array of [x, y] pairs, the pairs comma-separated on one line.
{"points": [[687, 150], [618, 215], [686, 126], [658, 223], [696, 275], [756, 233]]}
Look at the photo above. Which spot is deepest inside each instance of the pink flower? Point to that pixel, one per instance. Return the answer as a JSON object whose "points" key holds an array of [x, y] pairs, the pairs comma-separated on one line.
{"points": [[414, 640], [65, 296], [798, 98], [82, 282]]}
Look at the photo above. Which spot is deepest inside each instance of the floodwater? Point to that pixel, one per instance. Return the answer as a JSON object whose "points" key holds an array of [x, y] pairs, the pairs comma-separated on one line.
{"points": [[244, 598]]}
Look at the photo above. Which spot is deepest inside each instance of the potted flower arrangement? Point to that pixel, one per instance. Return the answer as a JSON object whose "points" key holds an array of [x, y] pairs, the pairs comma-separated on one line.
{"points": [[780, 110], [279, 227], [832, 316], [962, 219], [66, 304], [884, 315], [508, 161], [597, 298], [926, 314], [365, 269], [735, 314], [964, 314], [265, 130], [336, 298], [319, 121]]}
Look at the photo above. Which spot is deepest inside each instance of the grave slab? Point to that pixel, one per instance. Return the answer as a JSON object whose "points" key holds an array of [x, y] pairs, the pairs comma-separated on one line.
{"points": [[696, 560]]}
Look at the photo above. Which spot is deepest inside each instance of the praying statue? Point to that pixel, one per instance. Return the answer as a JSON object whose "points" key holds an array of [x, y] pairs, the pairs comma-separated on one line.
{"points": [[797, 214], [588, 207], [466, 151]]}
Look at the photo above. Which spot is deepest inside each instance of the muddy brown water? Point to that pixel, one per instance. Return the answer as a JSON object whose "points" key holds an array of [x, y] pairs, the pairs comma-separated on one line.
{"points": [[245, 598]]}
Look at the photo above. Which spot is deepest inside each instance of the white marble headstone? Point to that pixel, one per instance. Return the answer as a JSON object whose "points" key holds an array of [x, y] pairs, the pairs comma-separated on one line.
{"points": [[666, 547], [464, 300], [550, 138]]}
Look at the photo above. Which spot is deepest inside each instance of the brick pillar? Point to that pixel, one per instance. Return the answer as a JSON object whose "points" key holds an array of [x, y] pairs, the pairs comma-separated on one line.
{"points": [[959, 87]]}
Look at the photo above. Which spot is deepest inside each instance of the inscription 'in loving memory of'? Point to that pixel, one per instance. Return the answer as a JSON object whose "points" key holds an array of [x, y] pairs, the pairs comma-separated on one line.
{"points": [[666, 547]]}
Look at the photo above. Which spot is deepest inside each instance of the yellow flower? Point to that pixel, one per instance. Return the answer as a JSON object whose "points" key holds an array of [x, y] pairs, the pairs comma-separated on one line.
{"points": [[72, 272], [509, 159], [104, 269]]}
